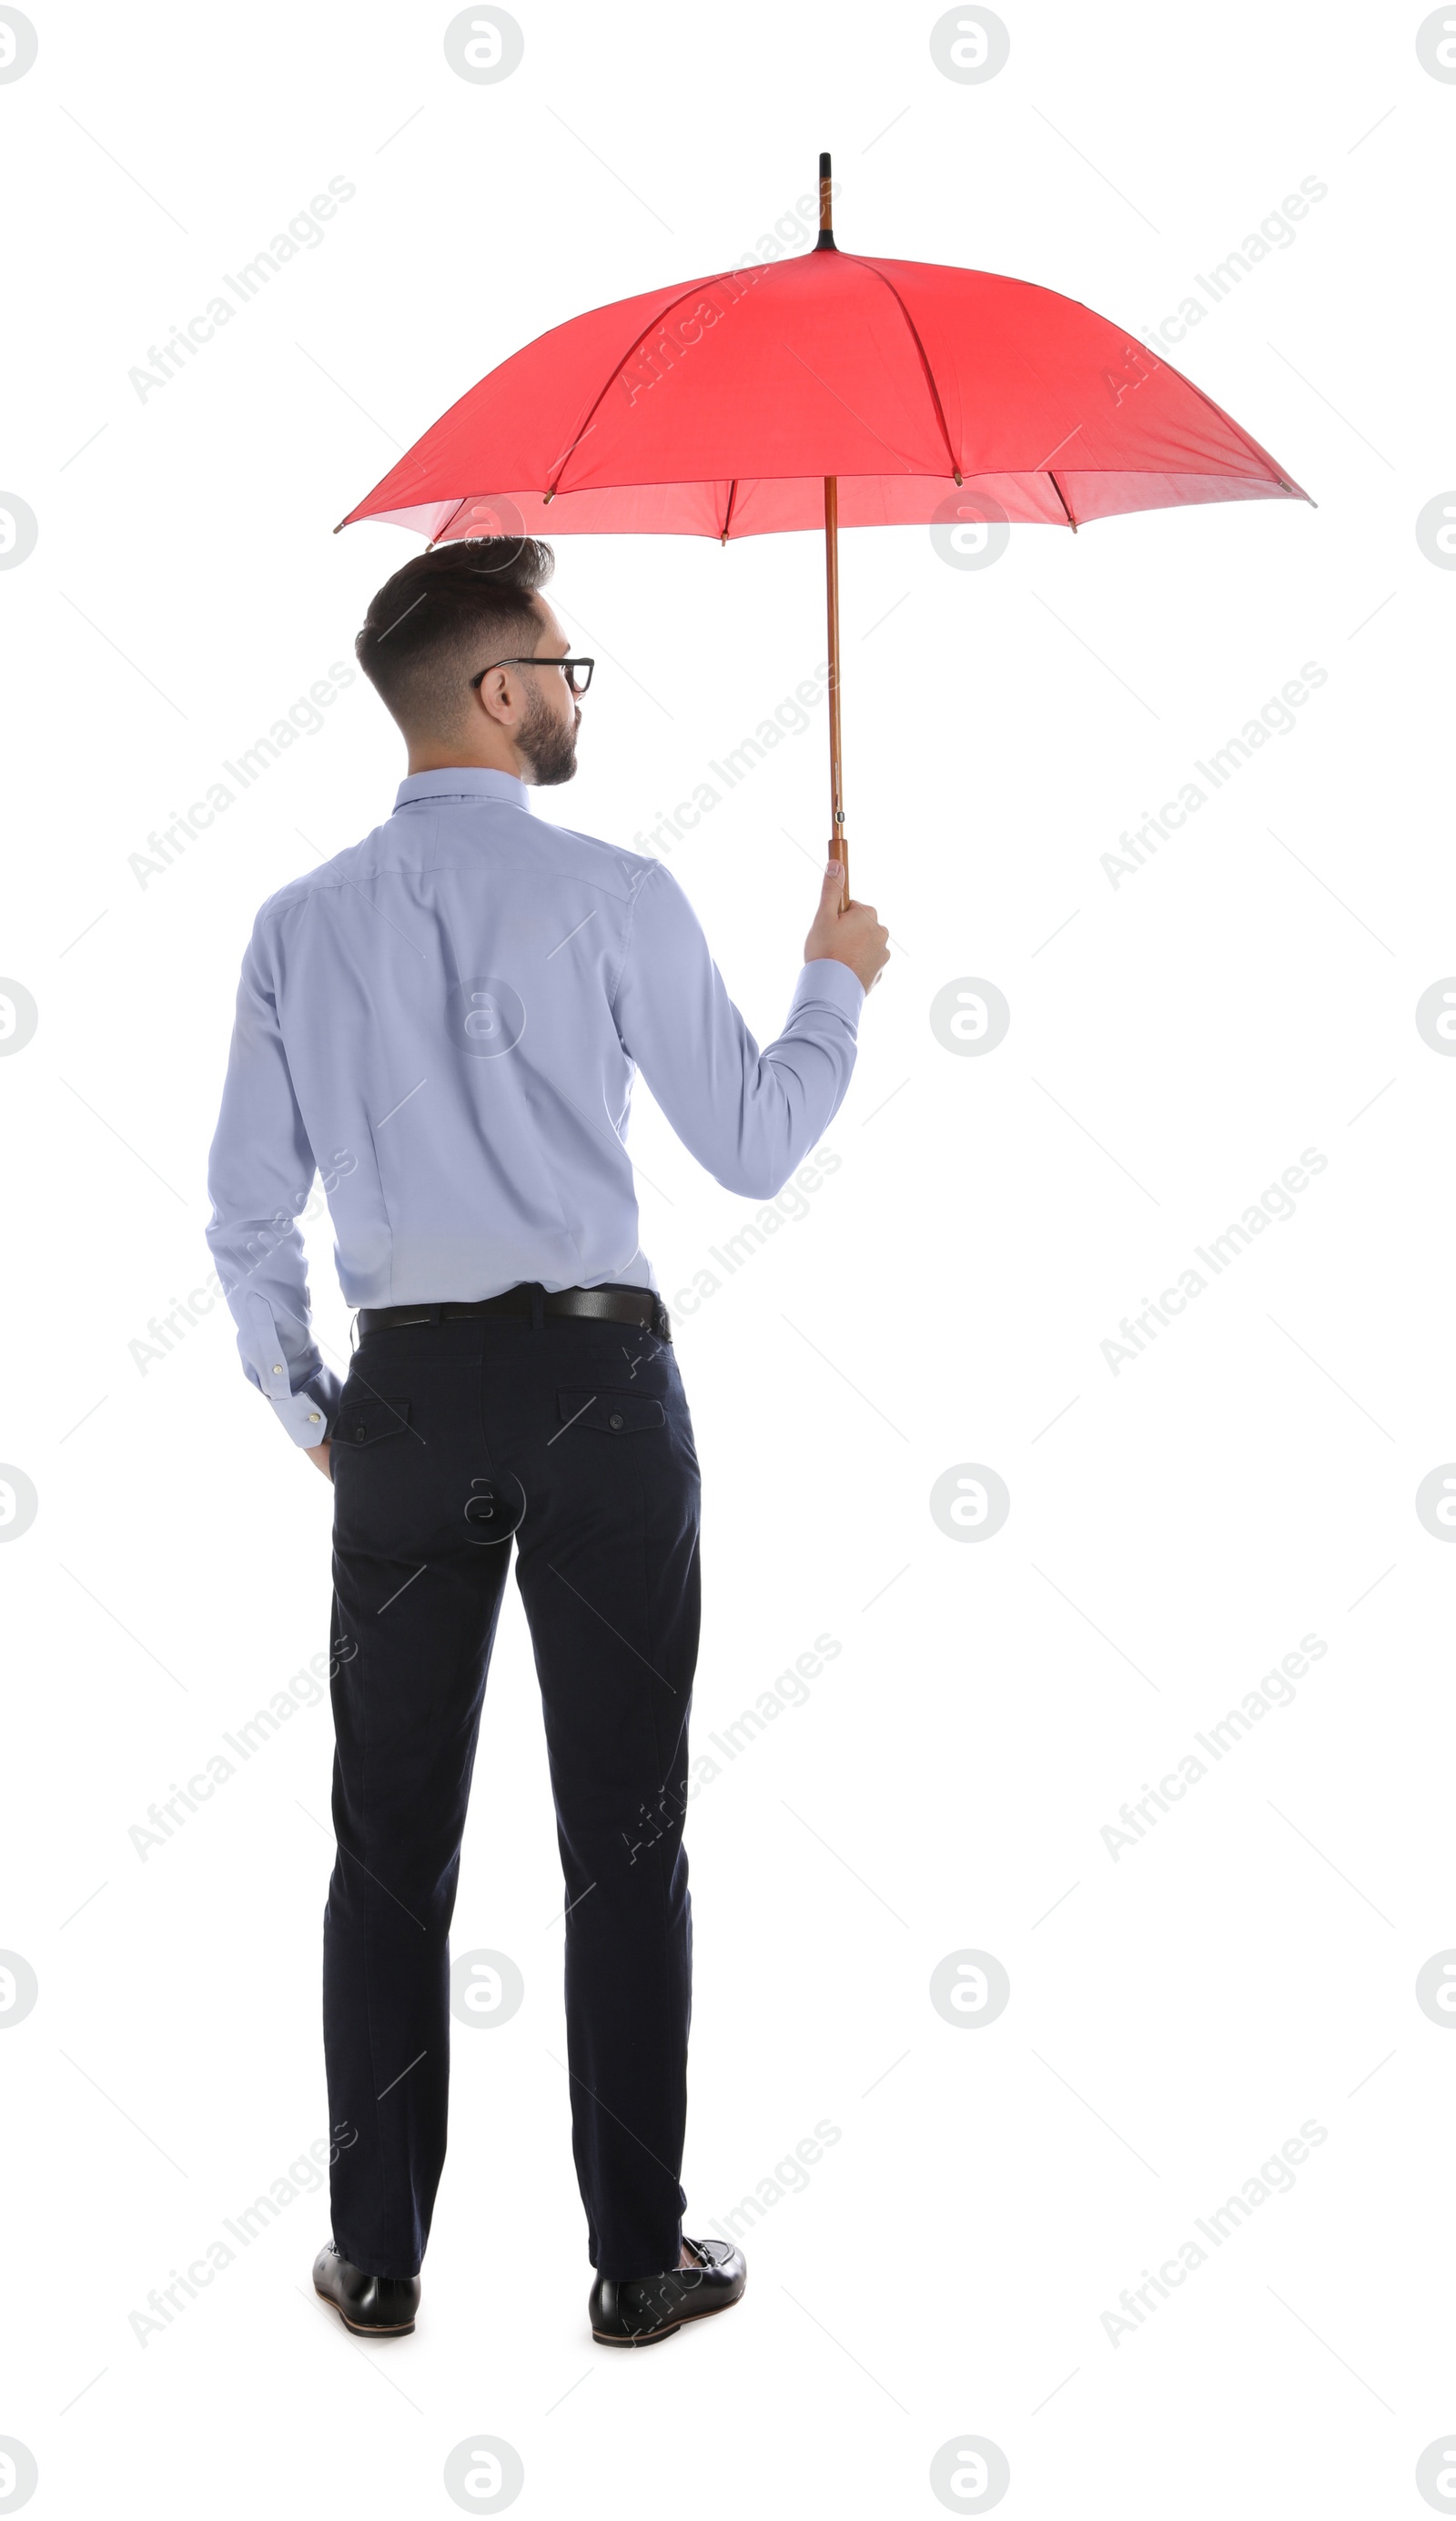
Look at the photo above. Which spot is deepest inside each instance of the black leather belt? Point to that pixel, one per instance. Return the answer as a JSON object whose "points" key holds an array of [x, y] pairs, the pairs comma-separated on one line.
{"points": [[640, 1305]]}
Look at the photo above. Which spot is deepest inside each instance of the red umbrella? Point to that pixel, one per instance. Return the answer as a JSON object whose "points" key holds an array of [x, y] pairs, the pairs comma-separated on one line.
{"points": [[830, 388]]}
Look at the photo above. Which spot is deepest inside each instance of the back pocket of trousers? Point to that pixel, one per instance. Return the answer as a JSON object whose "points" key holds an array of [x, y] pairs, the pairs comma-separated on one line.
{"points": [[611, 1413], [370, 1421]]}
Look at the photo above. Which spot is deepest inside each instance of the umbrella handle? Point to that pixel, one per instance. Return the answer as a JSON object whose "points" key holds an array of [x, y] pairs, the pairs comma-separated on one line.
{"points": [[837, 844]]}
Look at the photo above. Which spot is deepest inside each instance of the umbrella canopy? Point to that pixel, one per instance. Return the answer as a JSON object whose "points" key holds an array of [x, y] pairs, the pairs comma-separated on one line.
{"points": [[720, 405], [830, 388]]}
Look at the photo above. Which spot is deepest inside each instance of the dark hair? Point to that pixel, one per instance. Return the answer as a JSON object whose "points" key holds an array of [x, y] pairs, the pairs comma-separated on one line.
{"points": [[443, 616]]}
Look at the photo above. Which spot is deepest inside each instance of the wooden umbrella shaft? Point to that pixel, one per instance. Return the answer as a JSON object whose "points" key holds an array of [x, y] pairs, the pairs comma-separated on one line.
{"points": [[837, 844]]}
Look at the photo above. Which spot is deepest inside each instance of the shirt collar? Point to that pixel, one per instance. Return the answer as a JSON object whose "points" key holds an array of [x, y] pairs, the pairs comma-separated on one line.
{"points": [[478, 786]]}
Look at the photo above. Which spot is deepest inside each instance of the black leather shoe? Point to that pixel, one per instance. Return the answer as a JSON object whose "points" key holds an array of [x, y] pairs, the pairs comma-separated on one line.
{"points": [[643, 2308], [369, 2306]]}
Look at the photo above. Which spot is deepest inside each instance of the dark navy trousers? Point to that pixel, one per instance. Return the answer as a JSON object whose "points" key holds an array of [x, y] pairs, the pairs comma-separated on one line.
{"points": [[569, 1442]]}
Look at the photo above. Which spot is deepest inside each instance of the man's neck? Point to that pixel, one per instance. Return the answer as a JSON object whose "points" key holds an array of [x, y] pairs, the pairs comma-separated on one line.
{"points": [[455, 757]]}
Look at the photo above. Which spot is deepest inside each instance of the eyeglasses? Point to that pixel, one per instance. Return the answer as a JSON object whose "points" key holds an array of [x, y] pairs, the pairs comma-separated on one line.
{"points": [[577, 671]]}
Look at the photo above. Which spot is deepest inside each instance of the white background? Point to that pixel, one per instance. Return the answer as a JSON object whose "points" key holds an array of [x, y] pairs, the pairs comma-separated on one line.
{"points": [[1176, 1040]]}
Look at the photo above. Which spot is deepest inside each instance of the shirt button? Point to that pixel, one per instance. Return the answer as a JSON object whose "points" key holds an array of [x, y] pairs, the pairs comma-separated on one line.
{"points": [[313, 1417], [616, 1419], [277, 1369]]}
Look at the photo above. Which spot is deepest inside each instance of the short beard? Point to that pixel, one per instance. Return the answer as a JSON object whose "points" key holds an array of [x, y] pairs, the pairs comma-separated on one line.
{"points": [[549, 747]]}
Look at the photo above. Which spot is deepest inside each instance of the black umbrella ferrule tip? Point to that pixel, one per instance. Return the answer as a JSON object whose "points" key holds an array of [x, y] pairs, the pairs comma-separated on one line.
{"points": [[825, 243]]}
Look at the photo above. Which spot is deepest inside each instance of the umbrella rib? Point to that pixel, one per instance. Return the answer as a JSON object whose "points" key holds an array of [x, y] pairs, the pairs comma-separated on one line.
{"points": [[446, 528], [1252, 444], [1062, 495], [930, 378], [728, 510], [634, 345]]}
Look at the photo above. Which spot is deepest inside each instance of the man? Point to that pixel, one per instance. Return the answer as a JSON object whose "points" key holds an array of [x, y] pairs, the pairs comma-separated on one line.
{"points": [[446, 1023]]}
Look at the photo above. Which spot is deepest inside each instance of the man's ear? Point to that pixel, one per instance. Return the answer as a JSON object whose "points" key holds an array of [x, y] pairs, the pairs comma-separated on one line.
{"points": [[493, 696]]}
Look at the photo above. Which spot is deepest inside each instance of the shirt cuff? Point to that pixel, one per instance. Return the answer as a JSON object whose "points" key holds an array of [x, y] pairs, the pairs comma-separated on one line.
{"points": [[825, 978], [309, 1416]]}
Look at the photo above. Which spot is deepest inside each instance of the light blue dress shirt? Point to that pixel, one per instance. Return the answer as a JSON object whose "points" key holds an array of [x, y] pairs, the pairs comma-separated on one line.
{"points": [[445, 1024]]}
